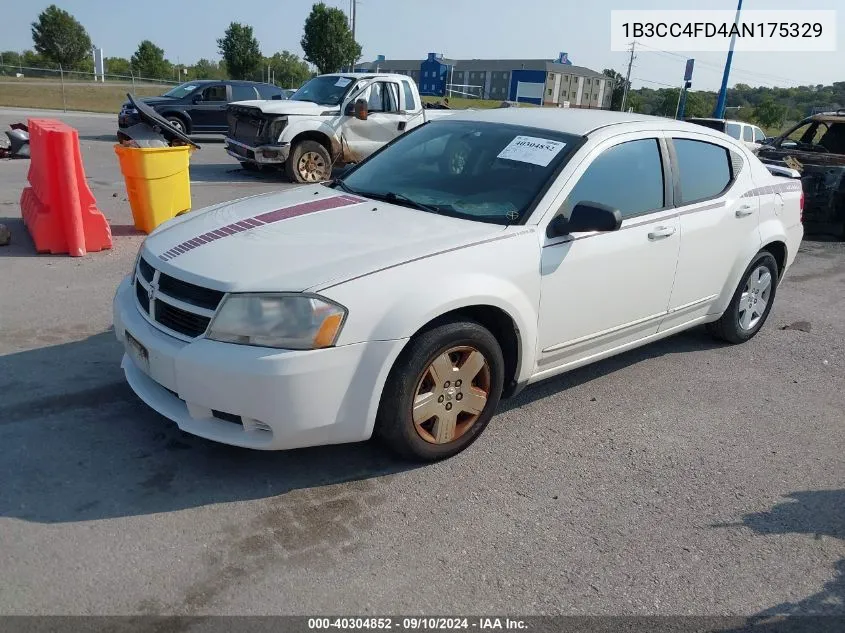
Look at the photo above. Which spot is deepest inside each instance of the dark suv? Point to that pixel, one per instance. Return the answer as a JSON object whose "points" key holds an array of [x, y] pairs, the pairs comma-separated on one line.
{"points": [[199, 107]]}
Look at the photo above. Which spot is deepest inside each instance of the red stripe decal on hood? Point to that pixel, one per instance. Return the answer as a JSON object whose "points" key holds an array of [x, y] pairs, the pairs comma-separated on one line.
{"points": [[269, 217]]}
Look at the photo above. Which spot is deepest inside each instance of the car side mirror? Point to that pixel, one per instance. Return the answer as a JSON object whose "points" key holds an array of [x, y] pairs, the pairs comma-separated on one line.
{"points": [[586, 216], [197, 98], [361, 112]]}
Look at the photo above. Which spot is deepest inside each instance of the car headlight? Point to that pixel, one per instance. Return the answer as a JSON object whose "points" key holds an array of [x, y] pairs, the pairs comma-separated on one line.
{"points": [[288, 321], [274, 129]]}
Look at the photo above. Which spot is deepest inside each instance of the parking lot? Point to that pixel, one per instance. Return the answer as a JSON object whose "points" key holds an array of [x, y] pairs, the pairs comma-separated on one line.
{"points": [[686, 477]]}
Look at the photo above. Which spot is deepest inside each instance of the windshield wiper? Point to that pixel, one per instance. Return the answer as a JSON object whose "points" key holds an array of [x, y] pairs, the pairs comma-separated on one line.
{"points": [[402, 199], [339, 184]]}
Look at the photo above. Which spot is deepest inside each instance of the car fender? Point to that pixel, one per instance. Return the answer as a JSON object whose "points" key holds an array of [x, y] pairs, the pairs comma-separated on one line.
{"points": [[410, 310], [182, 114], [749, 250], [327, 126], [396, 303]]}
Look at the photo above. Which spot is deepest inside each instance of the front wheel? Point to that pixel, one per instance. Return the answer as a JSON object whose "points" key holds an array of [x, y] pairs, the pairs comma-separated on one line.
{"points": [[309, 161], [442, 392], [750, 306], [177, 123]]}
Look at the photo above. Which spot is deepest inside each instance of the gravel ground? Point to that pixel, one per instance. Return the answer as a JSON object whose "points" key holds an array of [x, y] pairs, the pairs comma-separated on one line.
{"points": [[687, 477]]}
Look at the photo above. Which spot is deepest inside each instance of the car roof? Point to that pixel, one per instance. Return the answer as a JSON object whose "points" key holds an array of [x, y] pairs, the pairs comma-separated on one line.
{"points": [[229, 81], [577, 121]]}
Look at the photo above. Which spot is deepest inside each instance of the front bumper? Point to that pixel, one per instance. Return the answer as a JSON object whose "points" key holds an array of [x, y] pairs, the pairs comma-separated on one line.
{"points": [[254, 397], [260, 155]]}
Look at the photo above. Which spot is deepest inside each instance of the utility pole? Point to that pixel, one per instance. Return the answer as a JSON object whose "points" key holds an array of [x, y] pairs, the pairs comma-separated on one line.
{"points": [[719, 111], [628, 77], [353, 6]]}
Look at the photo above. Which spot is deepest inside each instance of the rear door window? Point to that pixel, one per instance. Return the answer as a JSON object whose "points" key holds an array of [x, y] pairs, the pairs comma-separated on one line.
{"points": [[705, 169], [410, 102], [244, 93], [733, 130], [747, 134]]}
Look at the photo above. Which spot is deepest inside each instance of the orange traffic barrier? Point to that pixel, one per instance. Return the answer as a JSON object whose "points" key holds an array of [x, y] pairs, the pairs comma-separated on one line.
{"points": [[58, 207]]}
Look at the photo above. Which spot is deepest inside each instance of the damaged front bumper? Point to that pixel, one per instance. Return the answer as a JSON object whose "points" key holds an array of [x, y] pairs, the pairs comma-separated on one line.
{"points": [[275, 154]]}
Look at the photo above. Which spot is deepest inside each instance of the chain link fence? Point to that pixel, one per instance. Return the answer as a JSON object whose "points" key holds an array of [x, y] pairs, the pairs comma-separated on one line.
{"points": [[58, 89]]}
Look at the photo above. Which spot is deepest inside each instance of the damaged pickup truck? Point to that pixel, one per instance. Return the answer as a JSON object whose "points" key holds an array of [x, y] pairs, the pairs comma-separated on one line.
{"points": [[815, 148], [331, 120]]}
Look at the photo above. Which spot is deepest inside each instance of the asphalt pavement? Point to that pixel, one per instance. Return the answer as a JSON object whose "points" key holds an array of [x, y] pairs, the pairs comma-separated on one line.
{"points": [[686, 477]]}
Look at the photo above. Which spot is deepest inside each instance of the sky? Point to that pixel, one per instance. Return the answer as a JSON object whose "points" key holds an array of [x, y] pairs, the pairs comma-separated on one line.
{"points": [[459, 29]]}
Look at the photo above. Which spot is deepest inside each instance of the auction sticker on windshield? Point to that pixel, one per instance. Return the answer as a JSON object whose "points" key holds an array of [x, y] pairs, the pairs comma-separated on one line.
{"points": [[343, 82], [531, 149]]}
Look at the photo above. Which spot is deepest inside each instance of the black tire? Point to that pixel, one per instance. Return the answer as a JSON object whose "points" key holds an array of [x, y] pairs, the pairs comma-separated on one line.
{"points": [[250, 166], [728, 327], [394, 422], [178, 123], [297, 152]]}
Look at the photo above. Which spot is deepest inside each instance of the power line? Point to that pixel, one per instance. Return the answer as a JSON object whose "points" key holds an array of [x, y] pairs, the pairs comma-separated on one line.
{"points": [[659, 83], [734, 69]]}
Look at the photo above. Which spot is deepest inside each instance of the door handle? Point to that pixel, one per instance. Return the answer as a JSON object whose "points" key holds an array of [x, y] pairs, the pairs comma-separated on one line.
{"points": [[660, 232], [744, 210]]}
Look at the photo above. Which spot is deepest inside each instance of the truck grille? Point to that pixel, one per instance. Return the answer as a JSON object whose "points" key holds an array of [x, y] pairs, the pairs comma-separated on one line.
{"points": [[179, 308], [246, 124]]}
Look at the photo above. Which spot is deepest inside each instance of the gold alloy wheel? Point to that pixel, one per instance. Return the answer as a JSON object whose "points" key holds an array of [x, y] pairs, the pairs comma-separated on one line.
{"points": [[312, 167], [451, 395]]}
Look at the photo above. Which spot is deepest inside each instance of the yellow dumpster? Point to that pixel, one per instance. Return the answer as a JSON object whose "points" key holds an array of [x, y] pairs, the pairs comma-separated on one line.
{"points": [[158, 183]]}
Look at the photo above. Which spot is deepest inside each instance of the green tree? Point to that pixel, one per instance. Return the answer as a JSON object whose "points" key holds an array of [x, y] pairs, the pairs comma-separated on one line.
{"points": [[148, 62], [60, 38], [327, 41], [117, 66], [618, 86], [206, 69], [288, 70], [240, 49], [699, 104], [769, 114]]}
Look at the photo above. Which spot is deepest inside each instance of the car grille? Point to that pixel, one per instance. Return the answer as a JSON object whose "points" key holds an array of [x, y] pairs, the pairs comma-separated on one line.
{"points": [[175, 306]]}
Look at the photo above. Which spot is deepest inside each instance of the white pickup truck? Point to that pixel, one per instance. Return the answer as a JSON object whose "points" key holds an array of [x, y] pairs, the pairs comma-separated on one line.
{"points": [[332, 119]]}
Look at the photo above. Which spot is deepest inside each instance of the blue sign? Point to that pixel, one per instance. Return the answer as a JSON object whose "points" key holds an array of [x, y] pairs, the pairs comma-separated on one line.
{"points": [[688, 72], [563, 58]]}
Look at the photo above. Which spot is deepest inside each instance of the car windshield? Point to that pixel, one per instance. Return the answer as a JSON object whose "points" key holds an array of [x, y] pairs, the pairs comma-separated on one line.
{"points": [[325, 90], [180, 91], [473, 170]]}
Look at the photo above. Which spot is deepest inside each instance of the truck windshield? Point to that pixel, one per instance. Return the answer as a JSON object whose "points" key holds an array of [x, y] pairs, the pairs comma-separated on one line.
{"points": [[325, 90], [488, 172]]}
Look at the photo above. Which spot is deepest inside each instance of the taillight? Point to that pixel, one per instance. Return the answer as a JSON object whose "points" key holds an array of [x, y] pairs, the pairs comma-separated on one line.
{"points": [[801, 207]]}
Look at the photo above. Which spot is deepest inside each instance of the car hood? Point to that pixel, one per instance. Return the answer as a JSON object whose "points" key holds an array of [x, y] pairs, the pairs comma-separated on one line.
{"points": [[152, 101], [305, 238], [286, 106]]}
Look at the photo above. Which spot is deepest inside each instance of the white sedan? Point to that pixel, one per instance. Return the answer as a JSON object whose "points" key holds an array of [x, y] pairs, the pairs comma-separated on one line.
{"points": [[469, 258]]}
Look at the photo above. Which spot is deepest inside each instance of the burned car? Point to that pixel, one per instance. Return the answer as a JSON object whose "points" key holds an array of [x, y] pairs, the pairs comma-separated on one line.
{"points": [[816, 148]]}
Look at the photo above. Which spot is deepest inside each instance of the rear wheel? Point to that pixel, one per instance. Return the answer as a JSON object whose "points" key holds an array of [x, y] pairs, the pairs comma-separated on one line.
{"points": [[750, 306], [309, 161], [442, 392]]}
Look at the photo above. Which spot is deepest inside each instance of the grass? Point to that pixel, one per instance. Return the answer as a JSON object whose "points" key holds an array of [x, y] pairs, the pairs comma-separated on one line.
{"points": [[90, 98], [461, 103]]}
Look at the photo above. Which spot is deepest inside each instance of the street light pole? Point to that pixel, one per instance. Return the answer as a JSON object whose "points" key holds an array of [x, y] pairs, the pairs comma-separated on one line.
{"points": [[719, 112]]}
